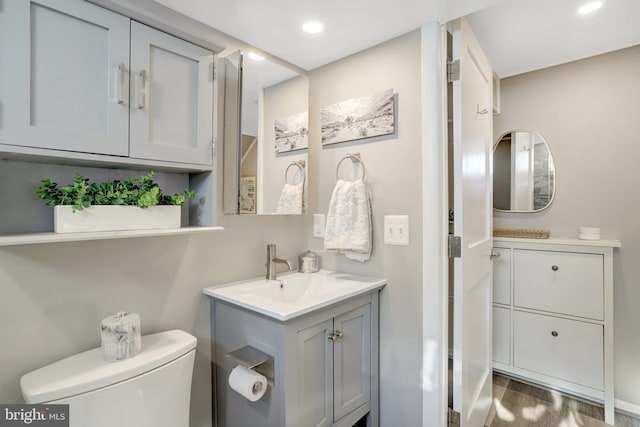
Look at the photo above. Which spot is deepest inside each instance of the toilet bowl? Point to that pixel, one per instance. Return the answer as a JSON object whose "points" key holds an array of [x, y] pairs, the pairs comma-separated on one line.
{"points": [[152, 388]]}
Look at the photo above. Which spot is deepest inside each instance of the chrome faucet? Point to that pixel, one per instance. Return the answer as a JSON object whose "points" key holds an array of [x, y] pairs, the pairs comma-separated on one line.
{"points": [[272, 261]]}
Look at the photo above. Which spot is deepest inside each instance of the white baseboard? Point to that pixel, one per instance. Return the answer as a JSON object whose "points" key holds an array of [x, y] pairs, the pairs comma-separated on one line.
{"points": [[627, 407]]}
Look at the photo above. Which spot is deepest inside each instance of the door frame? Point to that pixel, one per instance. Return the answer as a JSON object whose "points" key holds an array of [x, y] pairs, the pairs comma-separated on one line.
{"points": [[435, 219]]}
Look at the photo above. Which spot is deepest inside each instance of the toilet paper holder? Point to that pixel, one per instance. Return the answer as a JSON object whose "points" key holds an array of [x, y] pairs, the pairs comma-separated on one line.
{"points": [[254, 359]]}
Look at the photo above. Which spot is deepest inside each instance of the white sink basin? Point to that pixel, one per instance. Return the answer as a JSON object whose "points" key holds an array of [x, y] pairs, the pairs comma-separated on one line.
{"points": [[294, 294]]}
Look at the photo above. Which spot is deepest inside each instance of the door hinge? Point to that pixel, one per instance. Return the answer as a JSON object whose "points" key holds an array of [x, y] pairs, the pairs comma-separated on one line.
{"points": [[212, 72], [453, 70], [455, 246], [453, 418]]}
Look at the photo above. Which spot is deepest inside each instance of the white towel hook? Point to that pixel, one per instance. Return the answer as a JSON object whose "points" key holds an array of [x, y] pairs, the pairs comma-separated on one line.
{"points": [[355, 157]]}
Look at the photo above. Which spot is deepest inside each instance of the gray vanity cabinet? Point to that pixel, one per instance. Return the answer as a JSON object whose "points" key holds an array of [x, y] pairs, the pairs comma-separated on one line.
{"points": [[325, 365]]}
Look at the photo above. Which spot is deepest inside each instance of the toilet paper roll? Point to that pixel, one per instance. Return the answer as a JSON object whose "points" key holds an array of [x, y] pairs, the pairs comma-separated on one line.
{"points": [[248, 383], [121, 338]]}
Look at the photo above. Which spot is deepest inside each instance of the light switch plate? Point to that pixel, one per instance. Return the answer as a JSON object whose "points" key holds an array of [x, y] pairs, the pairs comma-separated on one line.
{"points": [[318, 226], [396, 230]]}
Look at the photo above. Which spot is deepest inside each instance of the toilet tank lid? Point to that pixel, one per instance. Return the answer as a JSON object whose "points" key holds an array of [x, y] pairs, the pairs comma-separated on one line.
{"points": [[88, 371]]}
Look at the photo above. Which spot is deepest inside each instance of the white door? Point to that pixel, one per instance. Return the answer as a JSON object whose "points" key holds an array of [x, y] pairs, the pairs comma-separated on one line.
{"points": [[64, 72], [171, 98], [472, 135]]}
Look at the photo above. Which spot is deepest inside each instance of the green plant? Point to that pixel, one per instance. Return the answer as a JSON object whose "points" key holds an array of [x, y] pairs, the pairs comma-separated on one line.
{"points": [[142, 192]]}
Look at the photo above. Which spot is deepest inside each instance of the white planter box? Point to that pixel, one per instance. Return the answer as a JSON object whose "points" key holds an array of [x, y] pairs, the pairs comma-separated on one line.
{"points": [[115, 218]]}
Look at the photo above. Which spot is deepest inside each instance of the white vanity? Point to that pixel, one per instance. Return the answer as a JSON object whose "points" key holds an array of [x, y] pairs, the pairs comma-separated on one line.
{"points": [[553, 314], [321, 332]]}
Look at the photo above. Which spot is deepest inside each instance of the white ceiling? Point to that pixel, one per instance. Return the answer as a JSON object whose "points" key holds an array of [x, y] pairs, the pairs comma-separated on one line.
{"points": [[525, 35], [518, 35]]}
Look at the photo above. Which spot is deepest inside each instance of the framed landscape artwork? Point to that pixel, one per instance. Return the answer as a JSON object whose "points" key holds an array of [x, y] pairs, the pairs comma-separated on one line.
{"points": [[358, 118]]}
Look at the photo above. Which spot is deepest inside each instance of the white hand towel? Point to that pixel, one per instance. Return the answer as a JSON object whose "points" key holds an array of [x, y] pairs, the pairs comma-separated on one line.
{"points": [[290, 201], [348, 227]]}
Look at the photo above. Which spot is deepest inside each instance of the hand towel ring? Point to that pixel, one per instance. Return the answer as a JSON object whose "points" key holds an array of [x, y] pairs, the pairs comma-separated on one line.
{"points": [[300, 164], [355, 157]]}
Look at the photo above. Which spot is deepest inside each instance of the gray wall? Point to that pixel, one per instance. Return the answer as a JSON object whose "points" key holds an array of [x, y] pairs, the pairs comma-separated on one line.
{"points": [[393, 165], [588, 113]]}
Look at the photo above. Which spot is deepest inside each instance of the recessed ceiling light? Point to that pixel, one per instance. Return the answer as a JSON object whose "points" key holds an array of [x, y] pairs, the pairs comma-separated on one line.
{"points": [[590, 7], [255, 56], [312, 27]]}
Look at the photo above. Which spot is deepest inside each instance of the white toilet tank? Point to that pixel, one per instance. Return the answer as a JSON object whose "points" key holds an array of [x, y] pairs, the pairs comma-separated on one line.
{"points": [[151, 389]]}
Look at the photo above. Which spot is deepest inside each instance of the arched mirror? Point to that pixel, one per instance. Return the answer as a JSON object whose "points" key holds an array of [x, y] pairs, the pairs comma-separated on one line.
{"points": [[524, 175], [265, 136]]}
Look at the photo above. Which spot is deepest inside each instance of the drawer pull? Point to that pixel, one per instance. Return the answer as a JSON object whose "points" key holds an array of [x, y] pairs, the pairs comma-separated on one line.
{"points": [[554, 333], [554, 267]]}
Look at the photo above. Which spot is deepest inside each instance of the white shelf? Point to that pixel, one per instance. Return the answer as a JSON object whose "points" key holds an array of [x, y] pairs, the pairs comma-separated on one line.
{"points": [[562, 241], [38, 238]]}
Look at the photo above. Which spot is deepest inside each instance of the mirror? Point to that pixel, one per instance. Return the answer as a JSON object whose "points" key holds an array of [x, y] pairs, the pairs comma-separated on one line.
{"points": [[265, 136], [523, 173]]}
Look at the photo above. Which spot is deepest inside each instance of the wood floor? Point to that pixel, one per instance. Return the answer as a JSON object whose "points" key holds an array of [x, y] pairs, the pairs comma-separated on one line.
{"points": [[516, 404]]}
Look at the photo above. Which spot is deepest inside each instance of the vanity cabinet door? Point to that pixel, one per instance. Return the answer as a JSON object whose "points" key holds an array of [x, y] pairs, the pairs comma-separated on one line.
{"points": [[315, 376], [67, 85], [352, 361], [171, 98]]}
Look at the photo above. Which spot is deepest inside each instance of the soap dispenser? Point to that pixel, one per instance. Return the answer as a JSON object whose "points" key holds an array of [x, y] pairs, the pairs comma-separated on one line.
{"points": [[308, 262]]}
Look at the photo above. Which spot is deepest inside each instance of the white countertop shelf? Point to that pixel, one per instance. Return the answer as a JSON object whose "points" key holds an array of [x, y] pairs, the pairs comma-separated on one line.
{"points": [[562, 241], [50, 237]]}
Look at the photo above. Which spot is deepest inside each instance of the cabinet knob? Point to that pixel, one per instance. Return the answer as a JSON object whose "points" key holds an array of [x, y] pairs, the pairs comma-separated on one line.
{"points": [[337, 335], [554, 268], [554, 333]]}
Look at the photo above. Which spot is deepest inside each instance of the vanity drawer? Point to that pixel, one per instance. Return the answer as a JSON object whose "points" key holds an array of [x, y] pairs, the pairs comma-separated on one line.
{"points": [[561, 282], [570, 350]]}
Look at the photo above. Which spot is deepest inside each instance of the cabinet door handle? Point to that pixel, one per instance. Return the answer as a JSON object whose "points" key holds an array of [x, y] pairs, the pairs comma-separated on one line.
{"points": [[118, 78], [335, 336], [142, 83], [494, 255], [555, 268], [554, 333]]}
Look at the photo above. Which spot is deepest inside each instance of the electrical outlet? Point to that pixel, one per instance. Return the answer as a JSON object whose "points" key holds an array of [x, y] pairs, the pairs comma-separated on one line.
{"points": [[396, 230], [318, 226]]}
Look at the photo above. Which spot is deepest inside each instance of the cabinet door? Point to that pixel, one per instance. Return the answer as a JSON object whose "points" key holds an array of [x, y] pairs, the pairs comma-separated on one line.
{"points": [[560, 282], [315, 376], [68, 82], [502, 335], [171, 97], [502, 276], [352, 361], [567, 349]]}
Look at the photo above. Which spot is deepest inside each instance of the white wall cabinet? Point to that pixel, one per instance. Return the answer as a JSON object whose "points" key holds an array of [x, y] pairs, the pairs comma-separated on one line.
{"points": [[553, 314], [85, 79], [325, 364]]}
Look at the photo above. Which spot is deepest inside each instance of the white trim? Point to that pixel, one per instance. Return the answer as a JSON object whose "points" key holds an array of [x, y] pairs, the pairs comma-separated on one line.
{"points": [[435, 217], [627, 407]]}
